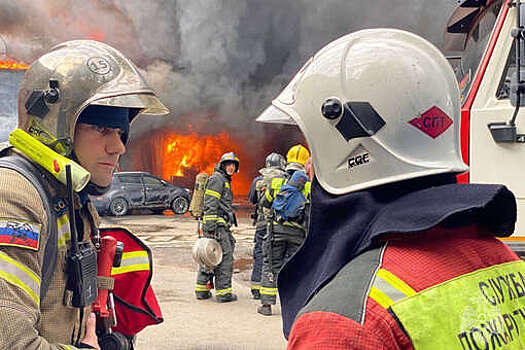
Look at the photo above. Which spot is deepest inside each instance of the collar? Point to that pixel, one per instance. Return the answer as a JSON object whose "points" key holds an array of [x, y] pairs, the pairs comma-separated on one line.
{"points": [[342, 227]]}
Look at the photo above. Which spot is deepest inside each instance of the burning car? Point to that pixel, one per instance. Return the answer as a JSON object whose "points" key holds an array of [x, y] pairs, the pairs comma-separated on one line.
{"points": [[141, 190]]}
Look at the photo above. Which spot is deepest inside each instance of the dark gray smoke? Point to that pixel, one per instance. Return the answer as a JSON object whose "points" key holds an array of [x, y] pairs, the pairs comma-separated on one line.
{"points": [[226, 58]]}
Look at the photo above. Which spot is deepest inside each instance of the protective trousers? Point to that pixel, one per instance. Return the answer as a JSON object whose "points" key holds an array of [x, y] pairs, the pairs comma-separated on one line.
{"points": [[276, 251], [260, 231], [224, 271]]}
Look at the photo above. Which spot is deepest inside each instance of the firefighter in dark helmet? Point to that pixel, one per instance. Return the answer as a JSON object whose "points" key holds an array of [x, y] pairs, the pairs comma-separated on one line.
{"points": [[75, 103], [284, 236], [218, 217], [274, 166]]}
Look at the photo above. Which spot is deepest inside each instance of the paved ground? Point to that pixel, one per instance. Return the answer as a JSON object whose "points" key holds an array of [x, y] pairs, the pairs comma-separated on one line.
{"points": [[189, 323]]}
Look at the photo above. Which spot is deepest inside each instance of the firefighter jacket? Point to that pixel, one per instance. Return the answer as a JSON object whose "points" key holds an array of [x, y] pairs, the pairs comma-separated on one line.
{"points": [[30, 322], [218, 199], [290, 227], [446, 289], [254, 195], [413, 265]]}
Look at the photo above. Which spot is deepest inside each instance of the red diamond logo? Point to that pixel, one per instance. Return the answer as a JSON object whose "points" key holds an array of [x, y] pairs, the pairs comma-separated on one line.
{"points": [[433, 122]]}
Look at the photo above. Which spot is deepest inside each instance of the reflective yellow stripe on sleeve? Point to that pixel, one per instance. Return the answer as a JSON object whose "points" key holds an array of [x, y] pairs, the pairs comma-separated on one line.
{"points": [[268, 196], [18, 274], [213, 194], [388, 289], [132, 261]]}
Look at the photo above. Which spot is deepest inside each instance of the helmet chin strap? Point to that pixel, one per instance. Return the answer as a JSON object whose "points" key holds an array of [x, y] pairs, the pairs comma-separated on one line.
{"points": [[96, 190]]}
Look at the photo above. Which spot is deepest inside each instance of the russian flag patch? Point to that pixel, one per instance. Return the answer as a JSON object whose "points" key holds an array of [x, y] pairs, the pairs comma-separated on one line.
{"points": [[19, 234]]}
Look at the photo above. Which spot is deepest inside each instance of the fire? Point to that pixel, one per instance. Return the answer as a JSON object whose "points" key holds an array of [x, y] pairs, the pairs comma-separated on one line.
{"points": [[182, 156], [13, 65], [190, 154]]}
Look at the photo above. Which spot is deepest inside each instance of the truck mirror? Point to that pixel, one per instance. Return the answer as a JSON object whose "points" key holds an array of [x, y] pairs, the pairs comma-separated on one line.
{"points": [[506, 131], [502, 132]]}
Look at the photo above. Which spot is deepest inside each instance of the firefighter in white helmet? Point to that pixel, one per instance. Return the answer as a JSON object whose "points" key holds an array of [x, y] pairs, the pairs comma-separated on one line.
{"points": [[218, 217], [398, 255], [77, 101]]}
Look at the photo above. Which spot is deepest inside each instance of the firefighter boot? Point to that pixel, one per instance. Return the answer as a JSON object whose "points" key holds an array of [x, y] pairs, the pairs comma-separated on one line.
{"points": [[226, 298], [203, 295], [265, 310]]}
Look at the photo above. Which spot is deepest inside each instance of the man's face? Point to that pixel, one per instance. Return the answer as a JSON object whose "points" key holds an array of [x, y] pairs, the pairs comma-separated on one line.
{"points": [[230, 168], [98, 150]]}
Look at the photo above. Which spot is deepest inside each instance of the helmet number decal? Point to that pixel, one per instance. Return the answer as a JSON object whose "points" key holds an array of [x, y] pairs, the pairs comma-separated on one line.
{"points": [[99, 65], [433, 122]]}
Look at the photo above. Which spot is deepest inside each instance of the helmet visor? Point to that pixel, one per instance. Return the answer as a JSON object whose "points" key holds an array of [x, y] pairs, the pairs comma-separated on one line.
{"points": [[274, 115], [147, 103]]}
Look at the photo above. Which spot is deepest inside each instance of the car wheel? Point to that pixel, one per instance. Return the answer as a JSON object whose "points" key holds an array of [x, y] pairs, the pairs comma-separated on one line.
{"points": [[180, 205], [118, 207]]}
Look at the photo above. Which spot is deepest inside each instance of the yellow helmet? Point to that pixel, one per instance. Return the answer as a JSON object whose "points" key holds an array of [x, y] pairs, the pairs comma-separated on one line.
{"points": [[297, 154]]}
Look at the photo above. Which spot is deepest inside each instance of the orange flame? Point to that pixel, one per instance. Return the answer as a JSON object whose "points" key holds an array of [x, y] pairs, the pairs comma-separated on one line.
{"points": [[189, 154], [12, 65]]}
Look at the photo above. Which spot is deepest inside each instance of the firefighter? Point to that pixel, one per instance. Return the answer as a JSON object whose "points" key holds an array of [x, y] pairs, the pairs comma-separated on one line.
{"points": [[273, 167], [218, 217], [78, 100], [283, 237], [398, 255]]}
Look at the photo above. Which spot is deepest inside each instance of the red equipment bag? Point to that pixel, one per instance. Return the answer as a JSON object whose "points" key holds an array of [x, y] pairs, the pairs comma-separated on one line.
{"points": [[135, 303]]}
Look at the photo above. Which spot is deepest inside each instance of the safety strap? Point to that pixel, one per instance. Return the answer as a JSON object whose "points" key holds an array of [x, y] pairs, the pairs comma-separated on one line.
{"points": [[32, 173]]}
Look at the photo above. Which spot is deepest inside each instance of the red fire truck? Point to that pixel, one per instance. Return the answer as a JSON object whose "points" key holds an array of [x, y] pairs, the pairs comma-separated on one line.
{"points": [[489, 36]]}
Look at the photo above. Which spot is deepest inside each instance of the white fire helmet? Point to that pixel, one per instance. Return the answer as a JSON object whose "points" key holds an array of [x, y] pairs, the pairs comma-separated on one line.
{"points": [[376, 106]]}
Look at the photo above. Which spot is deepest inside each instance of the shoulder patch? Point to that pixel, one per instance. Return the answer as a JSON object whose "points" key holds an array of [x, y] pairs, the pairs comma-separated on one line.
{"points": [[60, 206], [19, 234]]}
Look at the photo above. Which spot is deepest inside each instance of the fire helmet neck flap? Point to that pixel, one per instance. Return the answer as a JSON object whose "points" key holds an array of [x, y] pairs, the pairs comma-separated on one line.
{"points": [[229, 157], [275, 160], [58, 86], [376, 106]]}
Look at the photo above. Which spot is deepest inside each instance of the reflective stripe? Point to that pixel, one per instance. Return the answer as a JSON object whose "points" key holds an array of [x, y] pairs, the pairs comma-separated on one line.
{"points": [[201, 288], [213, 194], [277, 182], [255, 286], [268, 196], [132, 261], [207, 218], [306, 189], [68, 347], [64, 233], [388, 289], [227, 184], [268, 291], [223, 291], [21, 276], [472, 311], [213, 218]]}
